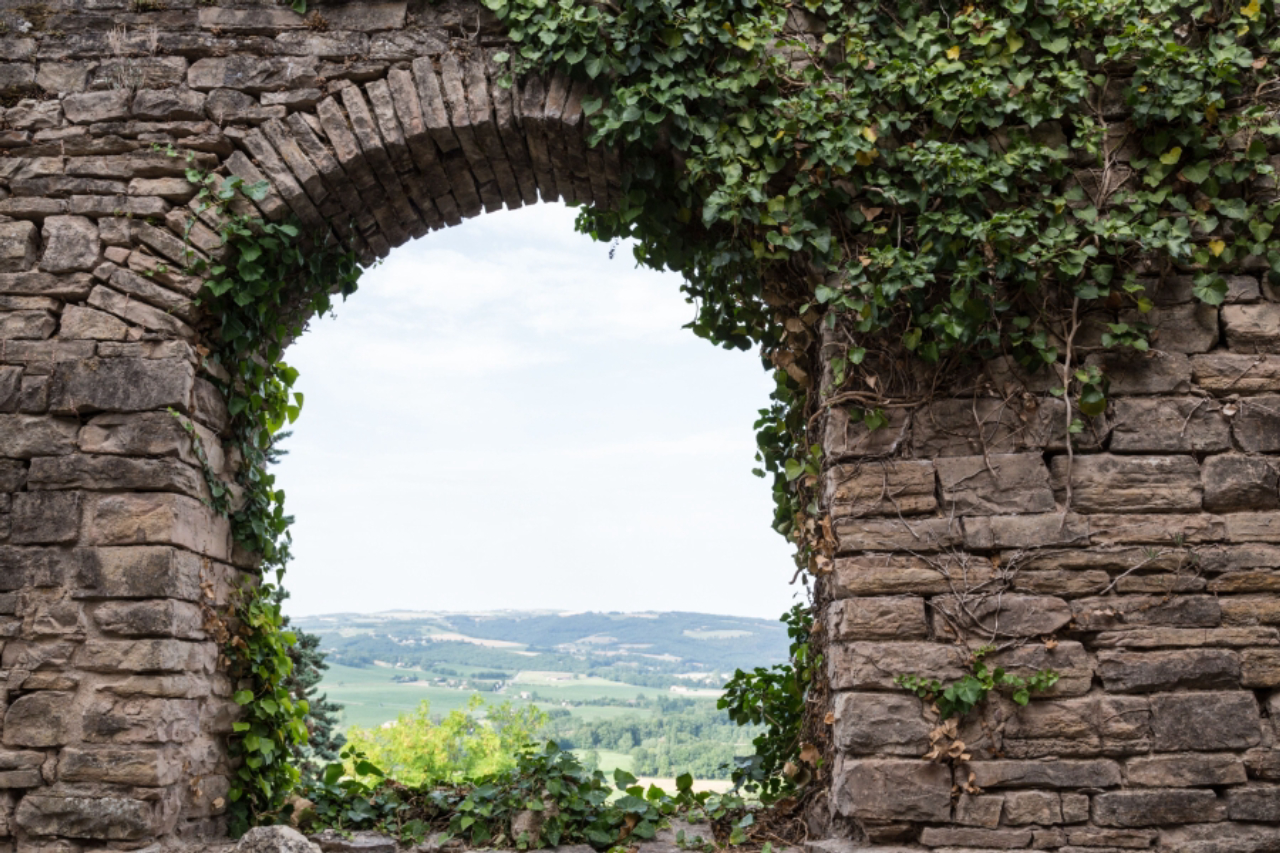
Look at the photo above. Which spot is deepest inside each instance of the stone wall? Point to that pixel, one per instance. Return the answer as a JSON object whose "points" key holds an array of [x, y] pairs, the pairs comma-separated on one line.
{"points": [[373, 122], [1141, 567]]}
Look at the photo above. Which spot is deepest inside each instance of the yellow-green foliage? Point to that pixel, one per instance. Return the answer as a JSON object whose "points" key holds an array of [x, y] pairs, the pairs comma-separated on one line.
{"points": [[462, 746]]}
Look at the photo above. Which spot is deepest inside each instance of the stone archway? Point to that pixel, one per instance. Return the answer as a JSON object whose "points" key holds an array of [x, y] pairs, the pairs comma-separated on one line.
{"points": [[379, 122], [372, 124]]}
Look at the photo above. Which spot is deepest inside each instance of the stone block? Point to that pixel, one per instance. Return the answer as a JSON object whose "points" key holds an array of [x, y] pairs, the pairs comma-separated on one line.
{"points": [[159, 655], [140, 572], [70, 244], [18, 246], [1256, 425], [1005, 483], [1205, 722], [1157, 638], [35, 567], [1097, 773], [104, 818], [1260, 668], [163, 618], [157, 518], [1232, 373], [1185, 770], [1177, 425], [881, 724], [1252, 527], [45, 518], [252, 74], [1144, 373], [845, 437], [1083, 726], [897, 534], [1189, 328], [1184, 669], [150, 434], [967, 428], [895, 574], [1023, 808], [25, 436], [131, 765], [43, 719], [1252, 328], [110, 473], [1003, 616], [971, 838], [1234, 482], [18, 769], [90, 324], [174, 104], [1157, 808], [887, 790], [1261, 803], [1107, 483], [1251, 610], [1068, 658], [1127, 839], [979, 810], [892, 487], [878, 618], [1040, 530], [86, 107], [1161, 530], [1105, 613], [121, 385], [873, 666], [132, 720]]}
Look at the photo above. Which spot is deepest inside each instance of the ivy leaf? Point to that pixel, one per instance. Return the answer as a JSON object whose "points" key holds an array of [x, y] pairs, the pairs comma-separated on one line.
{"points": [[1171, 156], [300, 6]]}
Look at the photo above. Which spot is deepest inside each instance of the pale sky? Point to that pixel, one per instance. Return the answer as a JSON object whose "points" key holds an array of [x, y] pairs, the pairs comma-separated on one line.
{"points": [[503, 417]]}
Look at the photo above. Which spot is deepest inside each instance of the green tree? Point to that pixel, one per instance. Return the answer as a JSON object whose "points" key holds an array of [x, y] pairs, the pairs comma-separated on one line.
{"points": [[324, 741]]}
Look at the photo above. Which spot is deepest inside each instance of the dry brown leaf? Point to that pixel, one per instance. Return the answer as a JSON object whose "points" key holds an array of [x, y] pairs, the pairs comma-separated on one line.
{"points": [[830, 718], [809, 753]]}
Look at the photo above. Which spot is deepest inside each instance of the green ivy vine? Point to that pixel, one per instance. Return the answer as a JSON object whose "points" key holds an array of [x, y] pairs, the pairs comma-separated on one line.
{"points": [[260, 293]]}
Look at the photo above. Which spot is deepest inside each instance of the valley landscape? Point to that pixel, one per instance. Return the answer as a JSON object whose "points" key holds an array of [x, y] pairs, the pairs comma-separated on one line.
{"points": [[635, 691]]}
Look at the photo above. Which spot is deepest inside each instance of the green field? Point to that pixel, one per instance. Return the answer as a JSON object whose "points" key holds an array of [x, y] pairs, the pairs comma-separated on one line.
{"points": [[370, 698]]}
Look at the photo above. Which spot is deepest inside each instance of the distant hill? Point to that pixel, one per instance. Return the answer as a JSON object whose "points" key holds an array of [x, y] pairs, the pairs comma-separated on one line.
{"points": [[649, 649]]}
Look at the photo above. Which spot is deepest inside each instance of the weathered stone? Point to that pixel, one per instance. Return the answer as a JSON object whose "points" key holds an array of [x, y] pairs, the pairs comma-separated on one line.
{"points": [[1026, 531], [80, 322], [161, 618], [143, 518], [86, 107], [1178, 425], [1251, 610], [873, 666], [1043, 774], [70, 244], [145, 656], [1084, 726], [45, 517], [41, 719], [134, 765], [1156, 638], [878, 618], [1008, 615], [139, 572], [1189, 328], [168, 105], [120, 720], [18, 246], [1260, 804], [883, 790], [1260, 668], [995, 484], [275, 839], [897, 534], [1205, 722], [1184, 771], [1022, 808], [1161, 530], [1068, 658], [1252, 526], [1156, 808], [1231, 373], [881, 488], [967, 428], [1149, 373], [892, 574], [846, 437], [1252, 328], [1145, 672], [121, 385], [1256, 426], [881, 724], [979, 810], [82, 471], [1123, 838], [251, 74], [26, 436], [1234, 482], [1116, 612], [1106, 483], [964, 837], [98, 818]]}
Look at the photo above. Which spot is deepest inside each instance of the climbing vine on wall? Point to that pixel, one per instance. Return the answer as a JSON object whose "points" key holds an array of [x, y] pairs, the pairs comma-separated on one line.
{"points": [[260, 291]]}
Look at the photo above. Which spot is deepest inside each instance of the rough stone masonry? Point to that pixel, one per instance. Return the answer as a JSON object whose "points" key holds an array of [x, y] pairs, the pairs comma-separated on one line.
{"points": [[1142, 566]]}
